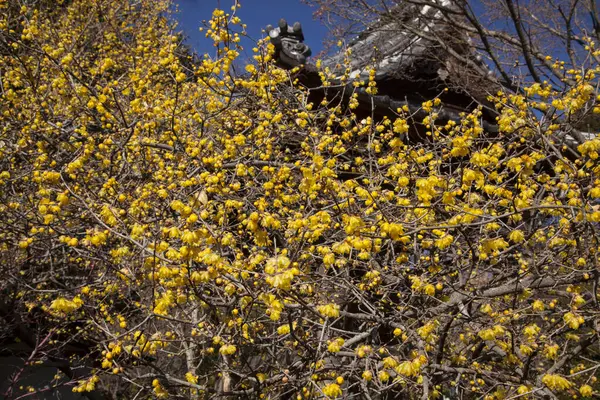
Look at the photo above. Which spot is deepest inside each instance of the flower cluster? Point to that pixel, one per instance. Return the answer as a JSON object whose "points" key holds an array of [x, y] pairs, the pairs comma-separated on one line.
{"points": [[206, 230]]}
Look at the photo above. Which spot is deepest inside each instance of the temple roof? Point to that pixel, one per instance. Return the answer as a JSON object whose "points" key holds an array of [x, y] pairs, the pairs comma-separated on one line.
{"points": [[395, 46]]}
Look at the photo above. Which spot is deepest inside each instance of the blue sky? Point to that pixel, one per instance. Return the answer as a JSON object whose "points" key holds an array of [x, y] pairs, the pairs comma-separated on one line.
{"points": [[256, 14]]}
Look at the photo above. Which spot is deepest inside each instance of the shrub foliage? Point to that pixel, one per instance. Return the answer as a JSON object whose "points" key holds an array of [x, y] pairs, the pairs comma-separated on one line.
{"points": [[171, 228]]}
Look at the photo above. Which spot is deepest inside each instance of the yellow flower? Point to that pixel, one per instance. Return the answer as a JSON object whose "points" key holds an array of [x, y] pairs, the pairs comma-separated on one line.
{"points": [[573, 320], [389, 362], [66, 306], [531, 330], [352, 224], [329, 259], [332, 391], [429, 289], [227, 349], [363, 351], [444, 242], [383, 376], [525, 349], [335, 345], [400, 126], [523, 389], [426, 331], [551, 351], [191, 378], [283, 329], [406, 368], [486, 308], [516, 236], [538, 305], [487, 334], [586, 391], [556, 382], [329, 310]]}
